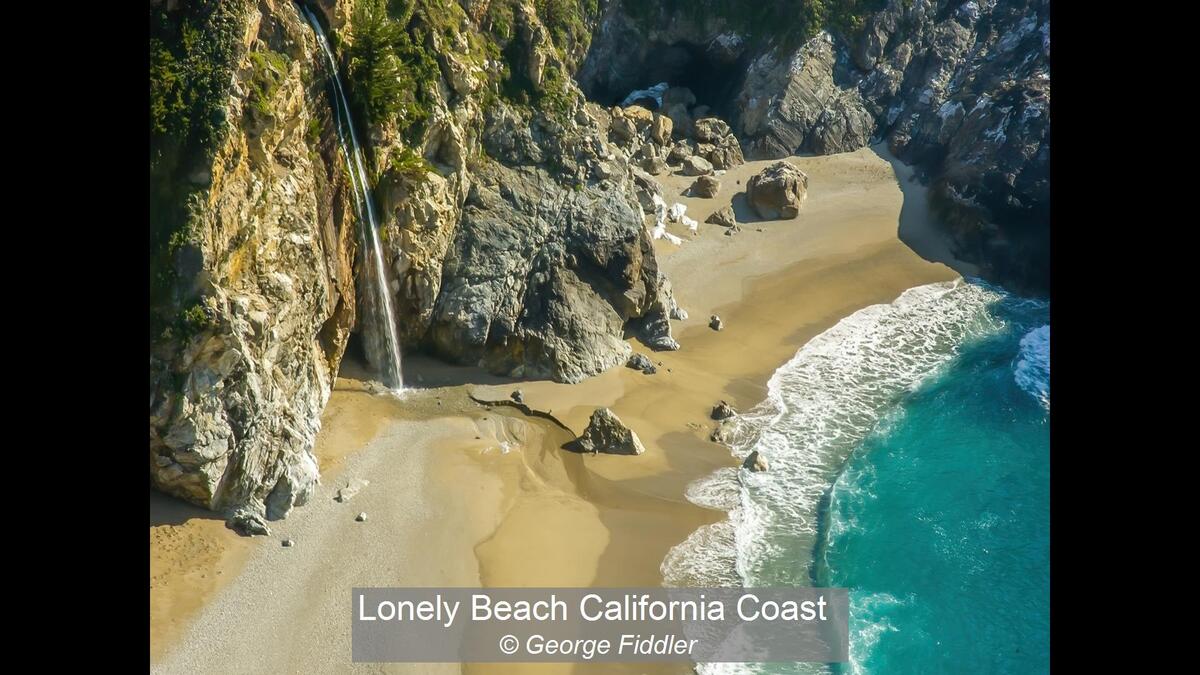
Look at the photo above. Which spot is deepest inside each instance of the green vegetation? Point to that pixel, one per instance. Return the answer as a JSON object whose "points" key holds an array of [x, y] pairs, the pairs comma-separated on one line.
{"points": [[788, 23], [393, 70], [193, 49], [270, 68], [566, 21], [410, 164]]}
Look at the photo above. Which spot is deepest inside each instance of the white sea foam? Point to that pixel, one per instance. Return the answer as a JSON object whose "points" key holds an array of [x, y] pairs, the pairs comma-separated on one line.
{"points": [[1032, 370], [819, 406]]}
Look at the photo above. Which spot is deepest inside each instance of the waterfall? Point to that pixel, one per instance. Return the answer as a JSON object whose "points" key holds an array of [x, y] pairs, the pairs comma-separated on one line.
{"points": [[386, 347]]}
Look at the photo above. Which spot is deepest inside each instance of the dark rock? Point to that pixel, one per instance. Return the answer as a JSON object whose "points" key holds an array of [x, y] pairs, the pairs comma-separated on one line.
{"points": [[696, 165], [517, 396], [722, 410], [714, 322], [777, 191], [756, 462], [706, 186], [287, 543], [605, 433], [641, 362], [361, 517], [248, 520]]}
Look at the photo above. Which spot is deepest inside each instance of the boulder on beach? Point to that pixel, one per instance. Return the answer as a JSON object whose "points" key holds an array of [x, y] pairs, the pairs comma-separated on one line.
{"points": [[641, 362], [777, 191], [605, 433], [696, 165], [706, 186], [723, 217]]}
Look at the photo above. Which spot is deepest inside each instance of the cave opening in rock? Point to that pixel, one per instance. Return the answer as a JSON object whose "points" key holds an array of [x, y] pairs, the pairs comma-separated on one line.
{"points": [[712, 74]]}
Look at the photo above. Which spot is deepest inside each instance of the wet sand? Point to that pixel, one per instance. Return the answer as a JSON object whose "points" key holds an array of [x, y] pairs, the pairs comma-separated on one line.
{"points": [[461, 495]]}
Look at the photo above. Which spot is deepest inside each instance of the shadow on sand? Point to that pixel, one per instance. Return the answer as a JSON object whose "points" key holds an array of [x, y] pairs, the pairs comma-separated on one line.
{"points": [[918, 228]]}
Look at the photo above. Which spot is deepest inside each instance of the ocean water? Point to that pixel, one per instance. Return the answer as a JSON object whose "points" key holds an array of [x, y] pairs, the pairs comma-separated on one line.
{"points": [[909, 451]]}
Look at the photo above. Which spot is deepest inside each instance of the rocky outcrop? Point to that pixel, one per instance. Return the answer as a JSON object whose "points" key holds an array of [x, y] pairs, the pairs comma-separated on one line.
{"points": [[777, 191], [525, 254], [605, 433], [257, 299], [960, 89]]}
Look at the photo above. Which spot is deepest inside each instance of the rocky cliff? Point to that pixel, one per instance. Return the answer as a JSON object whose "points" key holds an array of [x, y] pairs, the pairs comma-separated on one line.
{"points": [[511, 209], [253, 290], [959, 88], [513, 235]]}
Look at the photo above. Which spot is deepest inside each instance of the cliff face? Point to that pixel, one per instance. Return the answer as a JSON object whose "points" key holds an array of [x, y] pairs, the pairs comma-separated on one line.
{"points": [[959, 88], [261, 271], [511, 210], [525, 253]]}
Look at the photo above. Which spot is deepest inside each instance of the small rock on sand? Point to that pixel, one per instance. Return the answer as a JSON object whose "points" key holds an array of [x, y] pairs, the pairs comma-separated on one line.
{"points": [[361, 517], [714, 322], [344, 494], [288, 543]]}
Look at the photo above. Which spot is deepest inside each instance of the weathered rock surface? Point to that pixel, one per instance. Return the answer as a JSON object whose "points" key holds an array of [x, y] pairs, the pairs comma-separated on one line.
{"points": [[722, 410], [777, 191], [642, 363], [959, 89], [723, 217], [605, 433], [235, 400], [706, 186]]}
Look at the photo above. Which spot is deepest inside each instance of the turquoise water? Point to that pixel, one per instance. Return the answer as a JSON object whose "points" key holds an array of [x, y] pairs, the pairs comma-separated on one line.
{"points": [[940, 522], [909, 450]]}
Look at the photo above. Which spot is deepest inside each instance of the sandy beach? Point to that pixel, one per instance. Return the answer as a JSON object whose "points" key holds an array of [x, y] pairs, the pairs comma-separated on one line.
{"points": [[463, 495]]}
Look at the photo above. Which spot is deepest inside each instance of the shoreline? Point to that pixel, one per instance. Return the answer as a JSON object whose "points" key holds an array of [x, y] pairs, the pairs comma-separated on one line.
{"points": [[490, 497]]}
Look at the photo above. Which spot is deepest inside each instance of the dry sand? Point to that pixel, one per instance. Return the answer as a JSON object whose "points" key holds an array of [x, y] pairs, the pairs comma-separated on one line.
{"points": [[462, 495]]}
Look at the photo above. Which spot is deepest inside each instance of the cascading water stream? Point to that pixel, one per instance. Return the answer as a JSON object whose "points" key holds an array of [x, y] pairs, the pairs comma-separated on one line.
{"points": [[384, 317]]}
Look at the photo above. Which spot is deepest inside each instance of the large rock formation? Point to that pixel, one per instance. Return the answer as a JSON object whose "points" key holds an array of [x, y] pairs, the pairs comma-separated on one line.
{"points": [[777, 191], [526, 254], [256, 296], [959, 89], [606, 433]]}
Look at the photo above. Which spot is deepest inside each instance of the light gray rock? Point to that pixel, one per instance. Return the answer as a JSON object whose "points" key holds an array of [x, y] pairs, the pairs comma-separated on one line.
{"points": [[606, 433], [777, 191], [696, 165], [723, 216], [641, 362], [352, 488], [361, 517], [248, 520]]}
